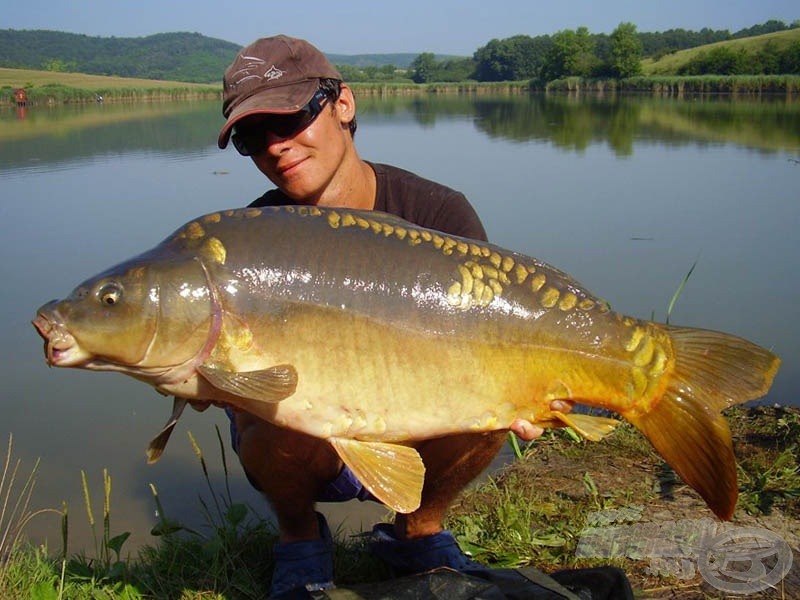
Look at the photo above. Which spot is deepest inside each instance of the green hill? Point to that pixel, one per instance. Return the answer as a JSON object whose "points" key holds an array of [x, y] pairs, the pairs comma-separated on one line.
{"points": [[188, 57], [676, 62]]}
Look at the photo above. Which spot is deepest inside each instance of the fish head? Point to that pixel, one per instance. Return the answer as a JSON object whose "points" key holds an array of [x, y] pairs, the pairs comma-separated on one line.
{"points": [[147, 317]]}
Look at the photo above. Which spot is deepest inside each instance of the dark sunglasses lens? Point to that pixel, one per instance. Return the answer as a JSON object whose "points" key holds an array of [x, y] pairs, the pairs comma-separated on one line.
{"points": [[287, 125], [253, 140], [249, 142]]}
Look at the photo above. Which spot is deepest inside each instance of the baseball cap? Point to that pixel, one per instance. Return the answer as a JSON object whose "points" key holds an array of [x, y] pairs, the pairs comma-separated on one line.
{"points": [[276, 74]]}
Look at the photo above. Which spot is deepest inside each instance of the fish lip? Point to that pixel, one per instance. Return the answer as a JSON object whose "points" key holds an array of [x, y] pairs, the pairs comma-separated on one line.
{"points": [[61, 349]]}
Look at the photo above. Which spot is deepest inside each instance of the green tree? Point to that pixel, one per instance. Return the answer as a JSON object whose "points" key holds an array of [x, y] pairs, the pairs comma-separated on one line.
{"points": [[721, 60], [583, 60], [423, 68], [790, 59], [626, 51], [59, 66], [512, 59], [488, 66], [570, 54], [767, 60], [455, 69]]}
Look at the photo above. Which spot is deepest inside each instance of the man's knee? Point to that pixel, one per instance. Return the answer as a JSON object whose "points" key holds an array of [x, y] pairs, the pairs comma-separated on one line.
{"points": [[281, 462]]}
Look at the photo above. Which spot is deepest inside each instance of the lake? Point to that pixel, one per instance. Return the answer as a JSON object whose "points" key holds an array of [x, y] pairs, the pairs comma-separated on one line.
{"points": [[625, 194]]}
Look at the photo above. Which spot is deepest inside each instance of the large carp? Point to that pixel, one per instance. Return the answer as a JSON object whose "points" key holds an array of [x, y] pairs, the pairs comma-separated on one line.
{"points": [[369, 332]]}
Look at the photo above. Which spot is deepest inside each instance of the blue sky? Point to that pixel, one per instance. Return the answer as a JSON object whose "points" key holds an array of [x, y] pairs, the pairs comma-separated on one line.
{"points": [[371, 26]]}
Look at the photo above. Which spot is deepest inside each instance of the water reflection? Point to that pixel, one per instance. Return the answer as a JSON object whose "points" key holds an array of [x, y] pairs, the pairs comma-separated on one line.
{"points": [[48, 136], [51, 137], [573, 122], [624, 193]]}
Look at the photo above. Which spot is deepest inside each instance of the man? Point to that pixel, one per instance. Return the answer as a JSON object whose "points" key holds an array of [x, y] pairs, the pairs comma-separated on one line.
{"points": [[289, 111]]}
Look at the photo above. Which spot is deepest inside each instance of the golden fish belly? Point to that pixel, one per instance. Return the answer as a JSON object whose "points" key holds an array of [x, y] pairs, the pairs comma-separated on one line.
{"points": [[363, 379]]}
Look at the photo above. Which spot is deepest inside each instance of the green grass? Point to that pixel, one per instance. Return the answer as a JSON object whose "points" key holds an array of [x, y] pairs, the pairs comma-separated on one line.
{"points": [[15, 78], [670, 64], [46, 87]]}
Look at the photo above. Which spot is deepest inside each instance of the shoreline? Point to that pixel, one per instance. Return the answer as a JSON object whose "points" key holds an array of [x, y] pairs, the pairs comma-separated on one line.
{"points": [[52, 88]]}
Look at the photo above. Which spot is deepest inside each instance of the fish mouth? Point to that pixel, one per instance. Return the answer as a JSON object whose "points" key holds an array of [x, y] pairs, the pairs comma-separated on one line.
{"points": [[61, 349]]}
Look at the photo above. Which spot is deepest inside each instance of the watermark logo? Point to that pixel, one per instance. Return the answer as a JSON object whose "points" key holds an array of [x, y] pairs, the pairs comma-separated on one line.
{"points": [[736, 560], [745, 560]]}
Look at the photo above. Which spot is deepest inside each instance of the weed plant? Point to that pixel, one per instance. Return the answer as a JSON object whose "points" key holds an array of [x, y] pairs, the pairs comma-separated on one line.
{"points": [[15, 514], [683, 85]]}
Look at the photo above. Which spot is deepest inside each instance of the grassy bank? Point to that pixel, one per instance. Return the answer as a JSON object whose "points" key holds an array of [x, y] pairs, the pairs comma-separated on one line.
{"points": [[535, 511], [47, 87]]}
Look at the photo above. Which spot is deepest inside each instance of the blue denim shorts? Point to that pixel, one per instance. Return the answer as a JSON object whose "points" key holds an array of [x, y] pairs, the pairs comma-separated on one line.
{"points": [[345, 487]]}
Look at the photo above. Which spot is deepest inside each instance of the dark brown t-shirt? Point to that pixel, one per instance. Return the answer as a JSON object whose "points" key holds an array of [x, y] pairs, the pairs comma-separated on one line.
{"points": [[413, 198]]}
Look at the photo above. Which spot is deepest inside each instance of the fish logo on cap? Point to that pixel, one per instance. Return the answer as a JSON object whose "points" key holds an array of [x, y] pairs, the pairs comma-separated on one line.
{"points": [[273, 73]]}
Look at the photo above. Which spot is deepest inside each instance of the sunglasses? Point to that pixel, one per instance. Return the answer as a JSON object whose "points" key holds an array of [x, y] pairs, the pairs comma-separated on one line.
{"points": [[251, 139]]}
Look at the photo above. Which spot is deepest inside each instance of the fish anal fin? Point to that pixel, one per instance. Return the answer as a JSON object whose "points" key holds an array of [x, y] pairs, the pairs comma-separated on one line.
{"points": [[393, 473], [267, 385], [592, 427]]}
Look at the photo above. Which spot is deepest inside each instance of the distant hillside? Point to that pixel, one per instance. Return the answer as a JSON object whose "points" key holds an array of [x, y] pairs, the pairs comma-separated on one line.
{"points": [[676, 62], [189, 57]]}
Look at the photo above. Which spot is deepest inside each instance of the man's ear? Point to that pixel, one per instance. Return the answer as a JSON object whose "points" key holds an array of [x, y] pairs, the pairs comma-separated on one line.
{"points": [[346, 105]]}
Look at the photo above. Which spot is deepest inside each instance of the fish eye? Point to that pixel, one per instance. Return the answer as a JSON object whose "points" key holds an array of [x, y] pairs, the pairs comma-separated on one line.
{"points": [[110, 294]]}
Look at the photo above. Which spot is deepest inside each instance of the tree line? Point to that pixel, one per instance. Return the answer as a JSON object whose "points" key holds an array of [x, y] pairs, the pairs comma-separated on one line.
{"points": [[583, 54]]}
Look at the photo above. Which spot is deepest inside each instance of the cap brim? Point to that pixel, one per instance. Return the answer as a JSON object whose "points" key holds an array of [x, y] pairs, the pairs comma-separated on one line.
{"points": [[275, 100]]}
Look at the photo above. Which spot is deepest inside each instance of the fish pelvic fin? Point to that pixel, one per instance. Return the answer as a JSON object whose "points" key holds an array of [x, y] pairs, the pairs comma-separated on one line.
{"points": [[393, 473], [713, 371], [267, 385], [156, 446]]}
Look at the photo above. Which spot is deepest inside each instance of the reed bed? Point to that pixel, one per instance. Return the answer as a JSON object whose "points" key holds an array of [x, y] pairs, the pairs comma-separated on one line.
{"points": [[679, 85]]}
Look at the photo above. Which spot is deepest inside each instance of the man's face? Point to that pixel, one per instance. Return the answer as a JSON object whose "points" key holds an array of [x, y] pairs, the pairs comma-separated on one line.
{"points": [[304, 165]]}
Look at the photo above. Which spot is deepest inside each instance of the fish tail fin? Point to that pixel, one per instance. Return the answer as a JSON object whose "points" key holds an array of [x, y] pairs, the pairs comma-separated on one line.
{"points": [[712, 371]]}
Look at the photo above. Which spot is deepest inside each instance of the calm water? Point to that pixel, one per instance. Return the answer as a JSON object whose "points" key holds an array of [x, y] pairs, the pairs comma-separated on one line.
{"points": [[623, 194]]}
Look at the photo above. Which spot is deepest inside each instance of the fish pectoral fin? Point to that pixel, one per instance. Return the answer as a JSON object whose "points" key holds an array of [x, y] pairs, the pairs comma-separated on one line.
{"points": [[591, 427], [267, 385], [156, 446], [393, 473]]}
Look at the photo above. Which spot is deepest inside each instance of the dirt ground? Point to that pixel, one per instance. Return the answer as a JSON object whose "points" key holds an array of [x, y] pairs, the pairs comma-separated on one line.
{"points": [[660, 532]]}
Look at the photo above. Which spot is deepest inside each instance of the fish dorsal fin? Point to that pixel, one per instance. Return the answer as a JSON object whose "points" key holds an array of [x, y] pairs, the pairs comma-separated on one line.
{"points": [[156, 446], [267, 385], [591, 427], [394, 474]]}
